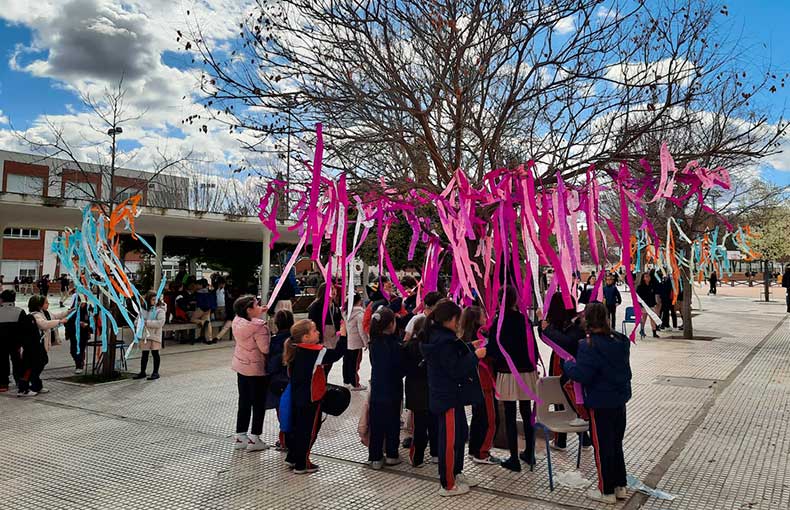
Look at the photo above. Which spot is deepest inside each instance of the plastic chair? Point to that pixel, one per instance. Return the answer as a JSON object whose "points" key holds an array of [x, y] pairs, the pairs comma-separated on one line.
{"points": [[630, 318], [554, 420]]}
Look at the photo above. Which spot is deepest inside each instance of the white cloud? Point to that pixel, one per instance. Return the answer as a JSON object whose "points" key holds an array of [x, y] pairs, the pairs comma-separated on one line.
{"points": [[565, 26], [3, 118], [781, 161]]}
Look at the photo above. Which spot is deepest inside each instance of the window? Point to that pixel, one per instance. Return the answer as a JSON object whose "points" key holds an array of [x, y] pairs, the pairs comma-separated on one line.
{"points": [[122, 194], [78, 190], [27, 272], [28, 184], [21, 233], [19, 269]]}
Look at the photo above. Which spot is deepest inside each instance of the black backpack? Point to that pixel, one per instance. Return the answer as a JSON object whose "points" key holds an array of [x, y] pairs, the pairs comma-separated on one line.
{"points": [[32, 337]]}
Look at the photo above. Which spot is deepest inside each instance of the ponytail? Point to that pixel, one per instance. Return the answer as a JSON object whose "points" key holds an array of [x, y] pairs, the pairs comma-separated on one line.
{"points": [[445, 310], [298, 332]]}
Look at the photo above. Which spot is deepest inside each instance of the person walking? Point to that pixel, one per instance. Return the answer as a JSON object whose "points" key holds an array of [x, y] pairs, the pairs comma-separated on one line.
{"points": [[252, 339], [603, 368], [153, 314]]}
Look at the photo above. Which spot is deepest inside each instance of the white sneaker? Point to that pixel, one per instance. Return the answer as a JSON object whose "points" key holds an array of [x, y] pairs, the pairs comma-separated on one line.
{"points": [[361, 387], [27, 393], [455, 491], [376, 464], [43, 391], [434, 460], [620, 493], [240, 442], [466, 480], [349, 387], [596, 495], [77, 370], [488, 460], [554, 446], [256, 445], [392, 462]]}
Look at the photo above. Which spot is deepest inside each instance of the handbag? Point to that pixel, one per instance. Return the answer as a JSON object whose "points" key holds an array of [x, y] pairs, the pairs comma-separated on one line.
{"points": [[336, 400]]}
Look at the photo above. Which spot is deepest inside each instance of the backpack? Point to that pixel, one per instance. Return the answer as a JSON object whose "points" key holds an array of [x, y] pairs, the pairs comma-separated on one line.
{"points": [[32, 337]]}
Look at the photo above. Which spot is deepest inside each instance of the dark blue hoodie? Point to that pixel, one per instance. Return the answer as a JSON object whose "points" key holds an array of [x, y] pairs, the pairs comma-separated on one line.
{"points": [[452, 371], [386, 376], [602, 366]]}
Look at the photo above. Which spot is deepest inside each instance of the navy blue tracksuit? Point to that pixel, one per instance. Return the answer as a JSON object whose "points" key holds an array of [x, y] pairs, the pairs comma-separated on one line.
{"points": [[386, 390], [602, 366], [452, 383]]}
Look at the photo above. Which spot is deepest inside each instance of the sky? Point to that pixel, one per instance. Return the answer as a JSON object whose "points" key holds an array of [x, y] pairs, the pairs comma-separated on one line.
{"points": [[50, 49]]}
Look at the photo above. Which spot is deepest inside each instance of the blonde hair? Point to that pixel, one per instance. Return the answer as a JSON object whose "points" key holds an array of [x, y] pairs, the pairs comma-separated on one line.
{"points": [[299, 330]]}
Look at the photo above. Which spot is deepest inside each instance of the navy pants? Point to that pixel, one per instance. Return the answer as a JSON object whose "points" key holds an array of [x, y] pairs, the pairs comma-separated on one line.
{"points": [[384, 430], [608, 430], [483, 427], [305, 424], [424, 426], [453, 432]]}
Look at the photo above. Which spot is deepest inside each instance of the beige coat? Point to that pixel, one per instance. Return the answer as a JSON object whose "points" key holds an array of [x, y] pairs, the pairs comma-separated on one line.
{"points": [[48, 326]]}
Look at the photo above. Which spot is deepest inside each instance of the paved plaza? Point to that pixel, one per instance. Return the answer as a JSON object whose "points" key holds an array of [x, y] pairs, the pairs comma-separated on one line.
{"points": [[708, 423]]}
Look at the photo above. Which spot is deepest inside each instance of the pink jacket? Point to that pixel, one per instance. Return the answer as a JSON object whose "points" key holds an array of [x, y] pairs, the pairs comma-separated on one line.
{"points": [[252, 345]]}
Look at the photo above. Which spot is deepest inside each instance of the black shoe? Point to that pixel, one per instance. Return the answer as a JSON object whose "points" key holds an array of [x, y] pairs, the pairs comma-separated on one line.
{"points": [[141, 375], [529, 461], [512, 464], [655, 335], [214, 340], [153, 377], [407, 442]]}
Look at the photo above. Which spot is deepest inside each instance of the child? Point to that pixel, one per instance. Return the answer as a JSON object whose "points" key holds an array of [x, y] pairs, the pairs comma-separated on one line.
{"points": [[283, 320], [251, 334], [422, 420], [305, 358], [84, 335], [602, 366], [611, 297], [452, 368], [386, 389], [357, 341], [154, 316], [484, 416]]}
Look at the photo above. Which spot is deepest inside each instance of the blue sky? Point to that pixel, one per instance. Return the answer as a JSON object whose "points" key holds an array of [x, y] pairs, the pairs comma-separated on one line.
{"points": [[39, 82]]}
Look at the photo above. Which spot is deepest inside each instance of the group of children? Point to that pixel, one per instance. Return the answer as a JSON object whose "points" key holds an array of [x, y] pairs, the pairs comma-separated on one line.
{"points": [[448, 361]]}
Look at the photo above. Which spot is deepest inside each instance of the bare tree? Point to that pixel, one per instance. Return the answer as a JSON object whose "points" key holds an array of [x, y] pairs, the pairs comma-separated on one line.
{"points": [[66, 152]]}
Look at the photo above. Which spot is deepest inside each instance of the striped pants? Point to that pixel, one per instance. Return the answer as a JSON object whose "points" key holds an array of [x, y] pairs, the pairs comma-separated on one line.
{"points": [[483, 427], [608, 429], [452, 432]]}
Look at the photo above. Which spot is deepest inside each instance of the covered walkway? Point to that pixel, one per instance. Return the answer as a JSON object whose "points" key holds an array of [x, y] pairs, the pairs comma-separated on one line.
{"points": [[28, 211]]}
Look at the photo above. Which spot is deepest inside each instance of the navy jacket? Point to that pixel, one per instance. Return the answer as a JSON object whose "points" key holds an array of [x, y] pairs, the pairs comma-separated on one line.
{"points": [[602, 366], [647, 293], [513, 337], [308, 384], [452, 371], [611, 295], [386, 377], [416, 377]]}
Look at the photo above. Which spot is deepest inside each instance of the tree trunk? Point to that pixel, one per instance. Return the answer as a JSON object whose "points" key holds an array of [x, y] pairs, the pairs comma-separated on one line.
{"points": [[766, 281], [688, 327]]}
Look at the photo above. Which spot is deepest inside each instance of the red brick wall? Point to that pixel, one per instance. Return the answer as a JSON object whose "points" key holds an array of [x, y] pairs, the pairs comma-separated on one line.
{"points": [[24, 249]]}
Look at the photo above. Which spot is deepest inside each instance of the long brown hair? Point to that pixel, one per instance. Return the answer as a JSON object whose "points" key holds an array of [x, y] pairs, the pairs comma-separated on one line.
{"points": [[469, 324], [298, 331], [596, 318]]}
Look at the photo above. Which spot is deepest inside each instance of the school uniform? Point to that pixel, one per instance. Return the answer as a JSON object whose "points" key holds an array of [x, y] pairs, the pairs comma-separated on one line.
{"points": [[308, 387], [602, 366], [357, 341], [452, 369], [423, 421], [386, 392], [612, 299], [278, 376], [482, 428]]}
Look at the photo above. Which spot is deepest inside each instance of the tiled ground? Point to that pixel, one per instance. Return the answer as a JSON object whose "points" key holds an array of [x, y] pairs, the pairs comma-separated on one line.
{"points": [[165, 444]]}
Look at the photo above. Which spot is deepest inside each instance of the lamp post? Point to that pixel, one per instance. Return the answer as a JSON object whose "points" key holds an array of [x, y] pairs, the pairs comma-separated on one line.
{"points": [[113, 132], [108, 367]]}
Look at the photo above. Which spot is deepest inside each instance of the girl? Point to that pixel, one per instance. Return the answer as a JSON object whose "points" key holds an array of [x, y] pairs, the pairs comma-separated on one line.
{"points": [[602, 366], [386, 389], [154, 315], [484, 415], [561, 326], [251, 334], [646, 291], [305, 357], [84, 335], [513, 340], [35, 357], [357, 342], [330, 326], [278, 376], [452, 368], [423, 421]]}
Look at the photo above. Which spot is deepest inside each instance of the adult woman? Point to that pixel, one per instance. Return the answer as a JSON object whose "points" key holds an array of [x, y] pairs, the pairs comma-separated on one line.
{"points": [[603, 367], [252, 337], [562, 327], [35, 358], [646, 291], [512, 341], [154, 315]]}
